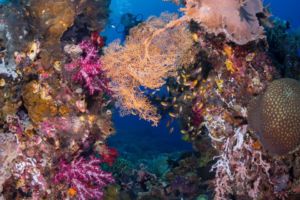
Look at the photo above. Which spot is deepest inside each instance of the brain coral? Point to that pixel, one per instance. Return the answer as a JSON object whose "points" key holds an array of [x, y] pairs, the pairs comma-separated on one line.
{"points": [[275, 116], [235, 18]]}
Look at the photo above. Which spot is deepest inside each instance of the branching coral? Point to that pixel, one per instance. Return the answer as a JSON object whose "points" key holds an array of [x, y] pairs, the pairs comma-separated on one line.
{"points": [[85, 176], [146, 59], [238, 165]]}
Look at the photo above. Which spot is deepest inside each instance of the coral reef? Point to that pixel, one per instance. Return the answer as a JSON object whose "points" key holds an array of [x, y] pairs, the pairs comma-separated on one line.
{"points": [[59, 85], [210, 95], [52, 19], [51, 118]]}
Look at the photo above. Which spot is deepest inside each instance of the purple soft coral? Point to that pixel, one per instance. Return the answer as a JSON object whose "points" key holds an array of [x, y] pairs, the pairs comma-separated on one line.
{"points": [[89, 69], [85, 176]]}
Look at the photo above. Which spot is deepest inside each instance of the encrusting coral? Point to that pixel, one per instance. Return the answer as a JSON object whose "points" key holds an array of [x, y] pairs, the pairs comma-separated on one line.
{"points": [[39, 103], [8, 152], [275, 116]]}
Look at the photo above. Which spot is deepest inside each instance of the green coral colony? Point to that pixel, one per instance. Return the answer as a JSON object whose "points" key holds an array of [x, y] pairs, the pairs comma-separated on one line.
{"points": [[232, 79]]}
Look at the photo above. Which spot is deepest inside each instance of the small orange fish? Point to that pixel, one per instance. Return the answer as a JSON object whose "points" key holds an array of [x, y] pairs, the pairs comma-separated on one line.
{"points": [[256, 145], [72, 192], [228, 50]]}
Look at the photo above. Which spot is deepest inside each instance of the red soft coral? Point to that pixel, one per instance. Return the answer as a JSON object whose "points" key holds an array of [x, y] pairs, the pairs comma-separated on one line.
{"points": [[109, 155]]}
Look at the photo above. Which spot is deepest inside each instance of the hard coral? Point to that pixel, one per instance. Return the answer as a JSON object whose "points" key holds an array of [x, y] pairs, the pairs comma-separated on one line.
{"points": [[235, 18], [85, 176], [275, 116]]}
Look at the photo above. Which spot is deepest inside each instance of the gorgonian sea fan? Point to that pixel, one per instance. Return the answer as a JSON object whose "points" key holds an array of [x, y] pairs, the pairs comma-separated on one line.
{"points": [[85, 176], [88, 69], [237, 19], [151, 53]]}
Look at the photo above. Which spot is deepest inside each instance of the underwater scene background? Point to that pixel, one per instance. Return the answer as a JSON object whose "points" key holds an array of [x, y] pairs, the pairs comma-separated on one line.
{"points": [[149, 100]]}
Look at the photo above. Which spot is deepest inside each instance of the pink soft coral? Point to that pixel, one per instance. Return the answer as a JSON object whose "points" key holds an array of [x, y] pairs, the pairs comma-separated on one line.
{"points": [[85, 176], [88, 69]]}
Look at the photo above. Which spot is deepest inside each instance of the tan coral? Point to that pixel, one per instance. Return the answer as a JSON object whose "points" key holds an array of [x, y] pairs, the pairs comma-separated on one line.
{"points": [[38, 104], [51, 19], [235, 18], [275, 116]]}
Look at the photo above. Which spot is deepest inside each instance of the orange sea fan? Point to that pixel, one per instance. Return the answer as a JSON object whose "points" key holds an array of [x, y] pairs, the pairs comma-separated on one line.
{"points": [[146, 59]]}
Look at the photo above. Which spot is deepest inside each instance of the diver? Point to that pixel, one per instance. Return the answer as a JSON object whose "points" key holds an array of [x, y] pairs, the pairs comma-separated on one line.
{"points": [[128, 21]]}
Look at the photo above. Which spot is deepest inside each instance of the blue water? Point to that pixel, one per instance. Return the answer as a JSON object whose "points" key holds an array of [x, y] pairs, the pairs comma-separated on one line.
{"points": [[288, 10], [4, 1], [136, 7]]}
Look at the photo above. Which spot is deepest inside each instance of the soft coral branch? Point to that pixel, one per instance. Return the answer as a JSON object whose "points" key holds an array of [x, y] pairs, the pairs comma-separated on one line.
{"points": [[88, 69], [85, 176]]}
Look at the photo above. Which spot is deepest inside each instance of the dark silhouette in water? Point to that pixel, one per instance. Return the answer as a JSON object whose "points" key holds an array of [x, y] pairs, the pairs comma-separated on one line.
{"points": [[128, 21]]}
